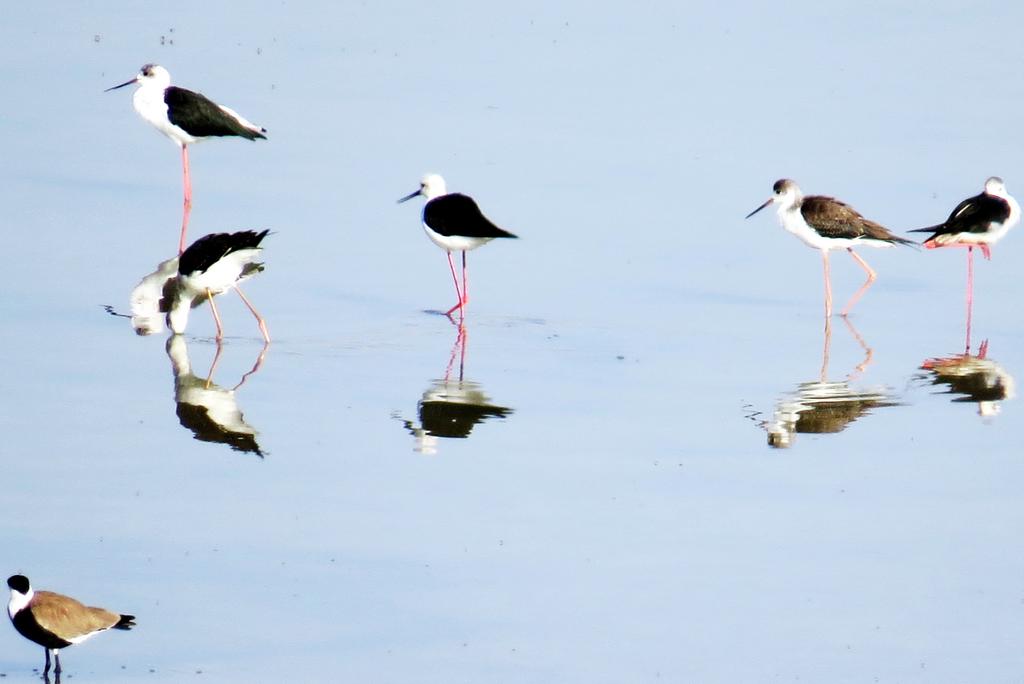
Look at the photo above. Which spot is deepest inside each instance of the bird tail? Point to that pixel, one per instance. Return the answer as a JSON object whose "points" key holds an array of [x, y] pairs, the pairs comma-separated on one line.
{"points": [[125, 622], [929, 242]]}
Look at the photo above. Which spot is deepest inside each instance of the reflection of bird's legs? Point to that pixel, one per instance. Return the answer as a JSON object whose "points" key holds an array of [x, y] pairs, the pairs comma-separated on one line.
{"points": [[828, 286], [259, 319], [455, 278], [213, 366], [863, 288], [187, 180], [970, 295], [216, 316], [255, 367], [868, 353], [458, 348], [825, 349]]}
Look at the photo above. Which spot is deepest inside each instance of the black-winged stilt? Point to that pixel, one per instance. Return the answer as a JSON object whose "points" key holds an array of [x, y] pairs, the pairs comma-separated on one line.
{"points": [[978, 221], [972, 378], [210, 266], [55, 621], [185, 117], [823, 406], [825, 223], [209, 410], [454, 222]]}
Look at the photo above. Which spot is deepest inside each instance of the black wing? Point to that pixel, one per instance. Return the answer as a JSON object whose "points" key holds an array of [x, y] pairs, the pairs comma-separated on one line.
{"points": [[973, 215], [201, 117], [209, 249], [457, 214]]}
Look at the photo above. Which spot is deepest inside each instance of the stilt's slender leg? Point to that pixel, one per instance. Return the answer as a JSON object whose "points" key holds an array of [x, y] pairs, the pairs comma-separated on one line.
{"points": [[187, 179], [462, 354], [970, 296], [259, 319], [863, 288], [455, 277], [465, 282], [868, 353], [456, 348], [216, 316], [825, 349], [213, 366], [828, 286], [255, 367]]}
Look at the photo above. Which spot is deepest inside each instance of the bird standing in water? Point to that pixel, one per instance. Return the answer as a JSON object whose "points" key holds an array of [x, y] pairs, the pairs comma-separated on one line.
{"points": [[55, 621], [454, 222], [185, 117], [825, 223]]}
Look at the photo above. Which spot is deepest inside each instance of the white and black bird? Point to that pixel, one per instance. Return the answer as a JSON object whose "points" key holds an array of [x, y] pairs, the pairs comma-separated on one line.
{"points": [[210, 266], [186, 117], [825, 223], [978, 221], [454, 223], [55, 621]]}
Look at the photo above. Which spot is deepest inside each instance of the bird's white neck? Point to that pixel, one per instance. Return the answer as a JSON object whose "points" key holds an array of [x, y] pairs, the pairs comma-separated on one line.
{"points": [[18, 602]]}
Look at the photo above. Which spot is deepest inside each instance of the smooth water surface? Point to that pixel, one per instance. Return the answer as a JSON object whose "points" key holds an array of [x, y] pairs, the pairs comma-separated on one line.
{"points": [[587, 484]]}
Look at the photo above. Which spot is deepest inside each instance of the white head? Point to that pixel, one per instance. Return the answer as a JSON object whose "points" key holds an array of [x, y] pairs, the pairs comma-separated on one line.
{"points": [[431, 185], [21, 594], [786, 194], [995, 186], [149, 76]]}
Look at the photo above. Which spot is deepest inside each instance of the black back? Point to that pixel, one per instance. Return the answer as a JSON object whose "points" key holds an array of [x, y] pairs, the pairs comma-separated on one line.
{"points": [[458, 215], [197, 418], [973, 215], [199, 116], [455, 419], [209, 249]]}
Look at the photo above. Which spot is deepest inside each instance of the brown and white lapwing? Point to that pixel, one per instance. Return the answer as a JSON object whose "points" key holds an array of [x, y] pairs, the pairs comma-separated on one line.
{"points": [[55, 621]]}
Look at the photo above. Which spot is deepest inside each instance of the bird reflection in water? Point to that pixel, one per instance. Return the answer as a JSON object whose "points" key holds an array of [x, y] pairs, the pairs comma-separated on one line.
{"points": [[972, 378], [823, 406], [451, 407], [151, 298], [210, 411]]}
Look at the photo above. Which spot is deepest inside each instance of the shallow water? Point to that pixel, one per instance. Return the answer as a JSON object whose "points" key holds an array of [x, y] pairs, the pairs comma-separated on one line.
{"points": [[618, 510]]}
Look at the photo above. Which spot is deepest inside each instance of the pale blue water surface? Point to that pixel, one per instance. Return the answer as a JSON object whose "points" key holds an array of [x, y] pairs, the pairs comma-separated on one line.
{"points": [[622, 518]]}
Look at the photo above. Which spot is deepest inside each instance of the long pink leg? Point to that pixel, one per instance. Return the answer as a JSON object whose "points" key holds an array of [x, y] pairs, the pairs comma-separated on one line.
{"points": [[825, 350], [970, 294], [458, 293], [188, 198], [863, 288], [868, 353], [259, 319], [216, 316], [213, 366], [465, 281], [828, 285]]}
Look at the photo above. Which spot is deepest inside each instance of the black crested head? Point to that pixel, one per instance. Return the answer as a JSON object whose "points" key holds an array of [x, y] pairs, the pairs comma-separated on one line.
{"points": [[19, 583]]}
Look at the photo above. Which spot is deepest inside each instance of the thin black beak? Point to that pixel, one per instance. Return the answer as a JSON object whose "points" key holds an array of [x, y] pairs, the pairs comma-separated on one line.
{"points": [[122, 85], [770, 200], [411, 195]]}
